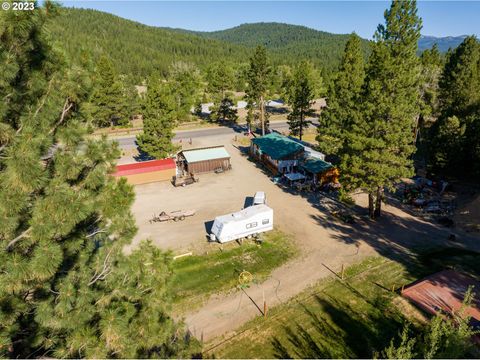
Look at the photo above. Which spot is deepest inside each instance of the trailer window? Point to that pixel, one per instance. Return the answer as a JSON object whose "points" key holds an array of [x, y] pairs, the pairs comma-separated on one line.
{"points": [[265, 221], [252, 225]]}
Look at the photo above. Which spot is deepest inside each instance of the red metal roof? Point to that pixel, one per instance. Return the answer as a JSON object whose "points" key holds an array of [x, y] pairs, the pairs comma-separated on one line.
{"points": [[144, 167], [444, 291]]}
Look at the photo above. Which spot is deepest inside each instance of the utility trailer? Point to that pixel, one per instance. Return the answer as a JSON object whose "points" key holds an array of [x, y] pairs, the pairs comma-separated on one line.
{"points": [[184, 180], [245, 223], [178, 215]]}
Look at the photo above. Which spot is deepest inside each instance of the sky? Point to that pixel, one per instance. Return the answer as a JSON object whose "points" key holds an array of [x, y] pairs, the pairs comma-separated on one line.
{"points": [[440, 18]]}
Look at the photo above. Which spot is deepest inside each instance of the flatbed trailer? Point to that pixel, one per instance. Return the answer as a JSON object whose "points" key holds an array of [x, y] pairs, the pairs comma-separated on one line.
{"points": [[177, 215]]}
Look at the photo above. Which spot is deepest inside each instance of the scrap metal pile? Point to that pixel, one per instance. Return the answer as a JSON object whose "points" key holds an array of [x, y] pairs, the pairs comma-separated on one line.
{"points": [[428, 197]]}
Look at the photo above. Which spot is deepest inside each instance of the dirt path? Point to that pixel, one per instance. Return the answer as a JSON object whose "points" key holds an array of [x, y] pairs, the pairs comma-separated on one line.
{"points": [[325, 245]]}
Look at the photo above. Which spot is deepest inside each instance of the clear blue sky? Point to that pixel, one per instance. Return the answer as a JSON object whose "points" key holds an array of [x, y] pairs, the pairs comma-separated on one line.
{"points": [[440, 18]]}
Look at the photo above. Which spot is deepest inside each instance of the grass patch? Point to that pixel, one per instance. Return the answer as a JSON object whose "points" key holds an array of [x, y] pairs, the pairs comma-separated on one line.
{"points": [[309, 136], [197, 277], [354, 318]]}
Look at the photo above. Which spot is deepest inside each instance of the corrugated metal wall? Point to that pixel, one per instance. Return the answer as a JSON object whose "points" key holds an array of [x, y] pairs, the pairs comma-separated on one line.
{"points": [[208, 166]]}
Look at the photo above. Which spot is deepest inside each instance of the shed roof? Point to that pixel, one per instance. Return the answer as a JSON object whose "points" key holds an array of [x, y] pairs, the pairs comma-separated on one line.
{"points": [[277, 146], [204, 154], [315, 165], [444, 291], [144, 167]]}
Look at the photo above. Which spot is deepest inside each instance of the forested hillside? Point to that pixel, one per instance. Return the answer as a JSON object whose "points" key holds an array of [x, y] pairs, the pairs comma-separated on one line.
{"points": [[135, 49], [138, 50], [289, 42]]}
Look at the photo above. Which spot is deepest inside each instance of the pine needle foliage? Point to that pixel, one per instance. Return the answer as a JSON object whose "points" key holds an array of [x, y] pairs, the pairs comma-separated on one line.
{"points": [[259, 81], [344, 98], [455, 137], [110, 99], [158, 120], [381, 143], [66, 287], [447, 336], [301, 95]]}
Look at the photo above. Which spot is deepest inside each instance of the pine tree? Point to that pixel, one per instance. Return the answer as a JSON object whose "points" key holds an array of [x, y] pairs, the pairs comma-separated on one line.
{"points": [[459, 100], [220, 79], [109, 100], [431, 68], [225, 111], [301, 94], [186, 80], [382, 141], [258, 79], [158, 121], [66, 287], [460, 81], [343, 101]]}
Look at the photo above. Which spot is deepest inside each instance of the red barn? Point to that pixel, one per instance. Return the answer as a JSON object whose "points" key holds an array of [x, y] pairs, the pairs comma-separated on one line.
{"points": [[147, 171]]}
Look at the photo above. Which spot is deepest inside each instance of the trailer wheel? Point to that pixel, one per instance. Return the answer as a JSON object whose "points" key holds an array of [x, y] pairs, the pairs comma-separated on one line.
{"points": [[175, 218], [182, 217]]}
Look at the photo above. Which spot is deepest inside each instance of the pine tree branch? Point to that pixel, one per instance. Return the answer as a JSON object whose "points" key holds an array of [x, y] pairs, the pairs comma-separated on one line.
{"points": [[18, 238], [44, 98], [105, 271], [66, 108], [95, 233]]}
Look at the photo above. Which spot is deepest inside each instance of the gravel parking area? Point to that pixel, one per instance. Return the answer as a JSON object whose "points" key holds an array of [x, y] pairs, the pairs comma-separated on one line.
{"points": [[213, 195]]}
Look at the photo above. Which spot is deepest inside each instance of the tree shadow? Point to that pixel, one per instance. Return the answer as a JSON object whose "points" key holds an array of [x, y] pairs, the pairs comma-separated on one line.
{"points": [[397, 235], [340, 331], [143, 156]]}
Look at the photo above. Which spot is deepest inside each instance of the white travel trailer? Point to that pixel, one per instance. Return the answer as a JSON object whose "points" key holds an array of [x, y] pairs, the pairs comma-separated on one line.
{"points": [[244, 223]]}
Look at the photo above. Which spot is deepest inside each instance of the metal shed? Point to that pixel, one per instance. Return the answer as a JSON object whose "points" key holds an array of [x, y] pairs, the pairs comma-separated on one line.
{"points": [[203, 160]]}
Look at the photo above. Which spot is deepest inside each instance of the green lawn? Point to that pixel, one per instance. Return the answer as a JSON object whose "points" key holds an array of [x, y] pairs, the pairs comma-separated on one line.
{"points": [[354, 318], [197, 277]]}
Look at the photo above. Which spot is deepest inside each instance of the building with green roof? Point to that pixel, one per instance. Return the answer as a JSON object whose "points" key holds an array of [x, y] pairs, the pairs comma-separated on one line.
{"points": [[277, 152], [283, 155]]}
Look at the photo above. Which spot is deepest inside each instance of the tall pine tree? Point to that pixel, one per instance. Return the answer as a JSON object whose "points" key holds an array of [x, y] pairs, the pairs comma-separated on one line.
{"points": [[459, 112], [66, 287], [110, 105], [381, 142], [259, 80], [220, 77], [344, 98], [300, 97], [158, 121]]}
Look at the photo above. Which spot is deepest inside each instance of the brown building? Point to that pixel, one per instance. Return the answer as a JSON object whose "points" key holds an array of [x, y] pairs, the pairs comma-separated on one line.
{"points": [[147, 171], [203, 160]]}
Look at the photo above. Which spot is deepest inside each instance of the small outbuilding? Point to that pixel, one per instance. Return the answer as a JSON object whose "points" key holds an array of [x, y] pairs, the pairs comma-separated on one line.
{"points": [[147, 171], [203, 160], [320, 171]]}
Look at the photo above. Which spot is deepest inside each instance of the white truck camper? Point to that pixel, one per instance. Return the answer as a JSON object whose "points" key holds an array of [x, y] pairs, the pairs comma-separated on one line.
{"points": [[244, 223], [259, 198]]}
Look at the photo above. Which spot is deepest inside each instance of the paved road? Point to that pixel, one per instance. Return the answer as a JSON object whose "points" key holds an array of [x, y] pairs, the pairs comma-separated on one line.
{"points": [[129, 142]]}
